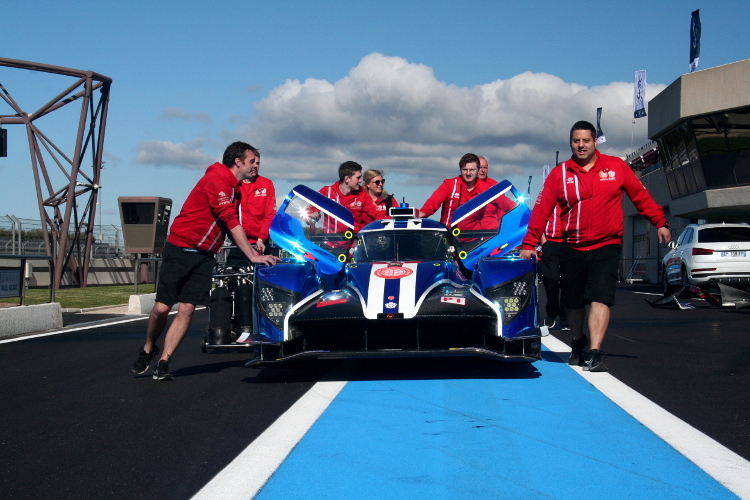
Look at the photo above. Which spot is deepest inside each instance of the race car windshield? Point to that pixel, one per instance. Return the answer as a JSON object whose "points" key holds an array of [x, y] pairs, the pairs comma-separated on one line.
{"points": [[319, 226], [386, 246]]}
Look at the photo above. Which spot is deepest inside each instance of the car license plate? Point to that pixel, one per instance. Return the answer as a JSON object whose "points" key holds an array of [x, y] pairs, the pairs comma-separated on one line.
{"points": [[734, 254]]}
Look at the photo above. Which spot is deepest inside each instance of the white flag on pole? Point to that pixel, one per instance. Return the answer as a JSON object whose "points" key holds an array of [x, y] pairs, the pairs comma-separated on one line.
{"points": [[639, 94]]}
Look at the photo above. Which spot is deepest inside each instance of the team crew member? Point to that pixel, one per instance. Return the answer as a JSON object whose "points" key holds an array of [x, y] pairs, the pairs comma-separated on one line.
{"points": [[349, 193], [454, 192], [375, 186], [483, 174], [195, 236], [549, 269], [257, 210], [493, 213], [588, 191]]}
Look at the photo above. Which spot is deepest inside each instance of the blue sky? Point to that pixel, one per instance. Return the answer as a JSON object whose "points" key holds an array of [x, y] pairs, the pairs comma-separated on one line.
{"points": [[406, 87]]}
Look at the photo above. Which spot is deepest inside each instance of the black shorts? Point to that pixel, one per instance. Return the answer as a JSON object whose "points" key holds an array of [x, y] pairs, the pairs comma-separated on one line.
{"points": [[549, 265], [588, 276], [185, 276]]}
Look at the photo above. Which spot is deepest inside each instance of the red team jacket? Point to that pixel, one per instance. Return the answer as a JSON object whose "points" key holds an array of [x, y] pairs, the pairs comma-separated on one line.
{"points": [[257, 207], [383, 205], [590, 203], [553, 231], [209, 212], [451, 194], [359, 204]]}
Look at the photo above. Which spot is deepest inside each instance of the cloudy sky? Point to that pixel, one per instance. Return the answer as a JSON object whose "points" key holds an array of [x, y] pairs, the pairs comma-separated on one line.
{"points": [[406, 87]]}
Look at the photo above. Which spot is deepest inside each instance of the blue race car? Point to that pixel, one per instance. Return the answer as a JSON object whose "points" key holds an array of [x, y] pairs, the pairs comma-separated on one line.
{"points": [[401, 287]]}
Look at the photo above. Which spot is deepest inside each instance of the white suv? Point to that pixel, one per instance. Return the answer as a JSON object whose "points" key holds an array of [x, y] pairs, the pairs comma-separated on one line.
{"points": [[709, 253]]}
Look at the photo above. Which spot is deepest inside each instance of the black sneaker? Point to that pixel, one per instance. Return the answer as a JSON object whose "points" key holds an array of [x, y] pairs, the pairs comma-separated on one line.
{"points": [[576, 351], [144, 359], [594, 361], [161, 371]]}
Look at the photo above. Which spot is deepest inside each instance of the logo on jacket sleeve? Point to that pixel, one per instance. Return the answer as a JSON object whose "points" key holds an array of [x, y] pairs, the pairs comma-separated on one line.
{"points": [[223, 198]]}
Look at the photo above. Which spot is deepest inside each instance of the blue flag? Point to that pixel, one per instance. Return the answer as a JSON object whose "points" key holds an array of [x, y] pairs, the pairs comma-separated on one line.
{"points": [[695, 40]]}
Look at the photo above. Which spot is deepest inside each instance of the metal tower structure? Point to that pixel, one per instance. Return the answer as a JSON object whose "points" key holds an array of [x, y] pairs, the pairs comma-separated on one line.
{"points": [[72, 229]]}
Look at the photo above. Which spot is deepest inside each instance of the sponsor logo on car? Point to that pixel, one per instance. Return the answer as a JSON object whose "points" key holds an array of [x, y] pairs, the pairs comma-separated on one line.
{"points": [[330, 302], [453, 300], [393, 272]]}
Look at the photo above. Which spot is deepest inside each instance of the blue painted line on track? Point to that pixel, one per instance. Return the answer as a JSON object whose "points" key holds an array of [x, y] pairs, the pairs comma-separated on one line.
{"points": [[550, 436]]}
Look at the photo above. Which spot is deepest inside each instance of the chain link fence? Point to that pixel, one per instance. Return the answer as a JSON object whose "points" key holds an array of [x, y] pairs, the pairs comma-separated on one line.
{"points": [[19, 236]]}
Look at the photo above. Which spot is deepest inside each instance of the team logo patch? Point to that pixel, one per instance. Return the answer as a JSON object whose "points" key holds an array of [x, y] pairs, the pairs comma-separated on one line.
{"points": [[607, 175], [453, 300], [390, 305], [393, 272], [570, 180]]}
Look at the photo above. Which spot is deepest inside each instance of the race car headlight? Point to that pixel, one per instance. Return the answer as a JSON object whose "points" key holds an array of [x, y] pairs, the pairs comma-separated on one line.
{"points": [[513, 296], [274, 302]]}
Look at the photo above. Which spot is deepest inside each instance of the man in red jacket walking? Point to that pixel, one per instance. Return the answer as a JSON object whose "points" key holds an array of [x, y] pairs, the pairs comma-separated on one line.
{"points": [[195, 236], [588, 189]]}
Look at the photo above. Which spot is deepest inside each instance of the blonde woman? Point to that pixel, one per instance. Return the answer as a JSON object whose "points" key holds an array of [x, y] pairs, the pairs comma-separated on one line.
{"points": [[374, 184]]}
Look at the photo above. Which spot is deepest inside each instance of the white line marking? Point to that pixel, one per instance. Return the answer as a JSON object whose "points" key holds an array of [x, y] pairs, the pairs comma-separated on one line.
{"points": [[86, 327], [719, 462], [246, 475], [68, 330]]}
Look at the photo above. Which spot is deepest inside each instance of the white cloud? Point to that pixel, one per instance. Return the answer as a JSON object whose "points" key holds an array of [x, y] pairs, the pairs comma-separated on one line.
{"points": [[165, 153], [392, 114]]}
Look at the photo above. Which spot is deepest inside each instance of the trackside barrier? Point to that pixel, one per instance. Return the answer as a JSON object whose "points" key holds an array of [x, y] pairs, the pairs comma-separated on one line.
{"points": [[26, 270]]}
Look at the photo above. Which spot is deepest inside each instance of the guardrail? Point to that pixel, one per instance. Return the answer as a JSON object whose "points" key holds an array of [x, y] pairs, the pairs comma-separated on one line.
{"points": [[27, 274]]}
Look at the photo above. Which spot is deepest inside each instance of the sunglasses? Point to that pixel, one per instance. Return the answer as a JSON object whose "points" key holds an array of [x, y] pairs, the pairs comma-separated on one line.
{"points": [[379, 182]]}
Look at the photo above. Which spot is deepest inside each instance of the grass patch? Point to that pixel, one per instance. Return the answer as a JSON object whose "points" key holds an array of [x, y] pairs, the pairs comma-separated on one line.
{"points": [[81, 298]]}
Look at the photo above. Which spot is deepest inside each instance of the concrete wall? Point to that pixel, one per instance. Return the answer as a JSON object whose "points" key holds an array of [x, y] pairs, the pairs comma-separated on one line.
{"points": [[25, 319], [703, 92], [101, 272]]}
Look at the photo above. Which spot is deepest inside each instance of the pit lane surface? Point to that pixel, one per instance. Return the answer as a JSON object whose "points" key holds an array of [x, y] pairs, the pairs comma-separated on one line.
{"points": [[78, 424]]}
